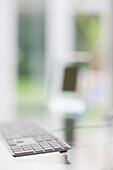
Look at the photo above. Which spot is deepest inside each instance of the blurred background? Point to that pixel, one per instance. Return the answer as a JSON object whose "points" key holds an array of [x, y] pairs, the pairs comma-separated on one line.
{"points": [[40, 39], [56, 61], [55, 50]]}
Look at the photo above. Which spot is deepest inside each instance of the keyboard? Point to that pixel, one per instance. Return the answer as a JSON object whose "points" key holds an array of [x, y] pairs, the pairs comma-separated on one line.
{"points": [[26, 137]]}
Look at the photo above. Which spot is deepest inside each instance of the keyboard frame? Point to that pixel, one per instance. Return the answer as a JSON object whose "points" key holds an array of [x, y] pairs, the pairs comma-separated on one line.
{"points": [[35, 153]]}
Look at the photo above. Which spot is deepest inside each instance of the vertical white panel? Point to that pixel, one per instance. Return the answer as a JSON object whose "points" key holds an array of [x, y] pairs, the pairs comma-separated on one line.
{"points": [[59, 28], [109, 52], [59, 31], [8, 58]]}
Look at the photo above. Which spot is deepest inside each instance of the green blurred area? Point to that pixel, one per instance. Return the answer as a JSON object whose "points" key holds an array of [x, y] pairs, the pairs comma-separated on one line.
{"points": [[87, 32], [30, 91], [31, 45], [30, 98], [31, 59]]}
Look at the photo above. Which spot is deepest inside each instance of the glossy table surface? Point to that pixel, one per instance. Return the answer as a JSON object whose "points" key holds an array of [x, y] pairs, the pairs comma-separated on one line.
{"points": [[92, 150]]}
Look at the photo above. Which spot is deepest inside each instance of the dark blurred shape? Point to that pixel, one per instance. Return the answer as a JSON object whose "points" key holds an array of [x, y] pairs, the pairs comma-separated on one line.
{"points": [[69, 133], [70, 78]]}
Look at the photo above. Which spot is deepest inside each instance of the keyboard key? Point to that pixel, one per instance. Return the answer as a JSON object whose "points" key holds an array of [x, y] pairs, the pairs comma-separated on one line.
{"points": [[63, 144], [38, 150], [55, 145], [37, 146], [26, 147], [19, 141], [16, 148], [22, 153], [46, 137], [44, 144], [38, 138], [34, 145], [48, 149], [11, 142]]}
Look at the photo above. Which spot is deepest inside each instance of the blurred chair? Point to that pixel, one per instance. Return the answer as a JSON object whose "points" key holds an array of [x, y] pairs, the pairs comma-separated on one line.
{"points": [[63, 82], [63, 96]]}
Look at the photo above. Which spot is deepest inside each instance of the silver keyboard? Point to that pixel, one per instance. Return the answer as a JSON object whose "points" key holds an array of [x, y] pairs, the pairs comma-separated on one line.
{"points": [[26, 137]]}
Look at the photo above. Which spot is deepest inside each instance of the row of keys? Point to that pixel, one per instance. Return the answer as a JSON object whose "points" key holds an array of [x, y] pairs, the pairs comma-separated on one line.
{"points": [[37, 138], [39, 148]]}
